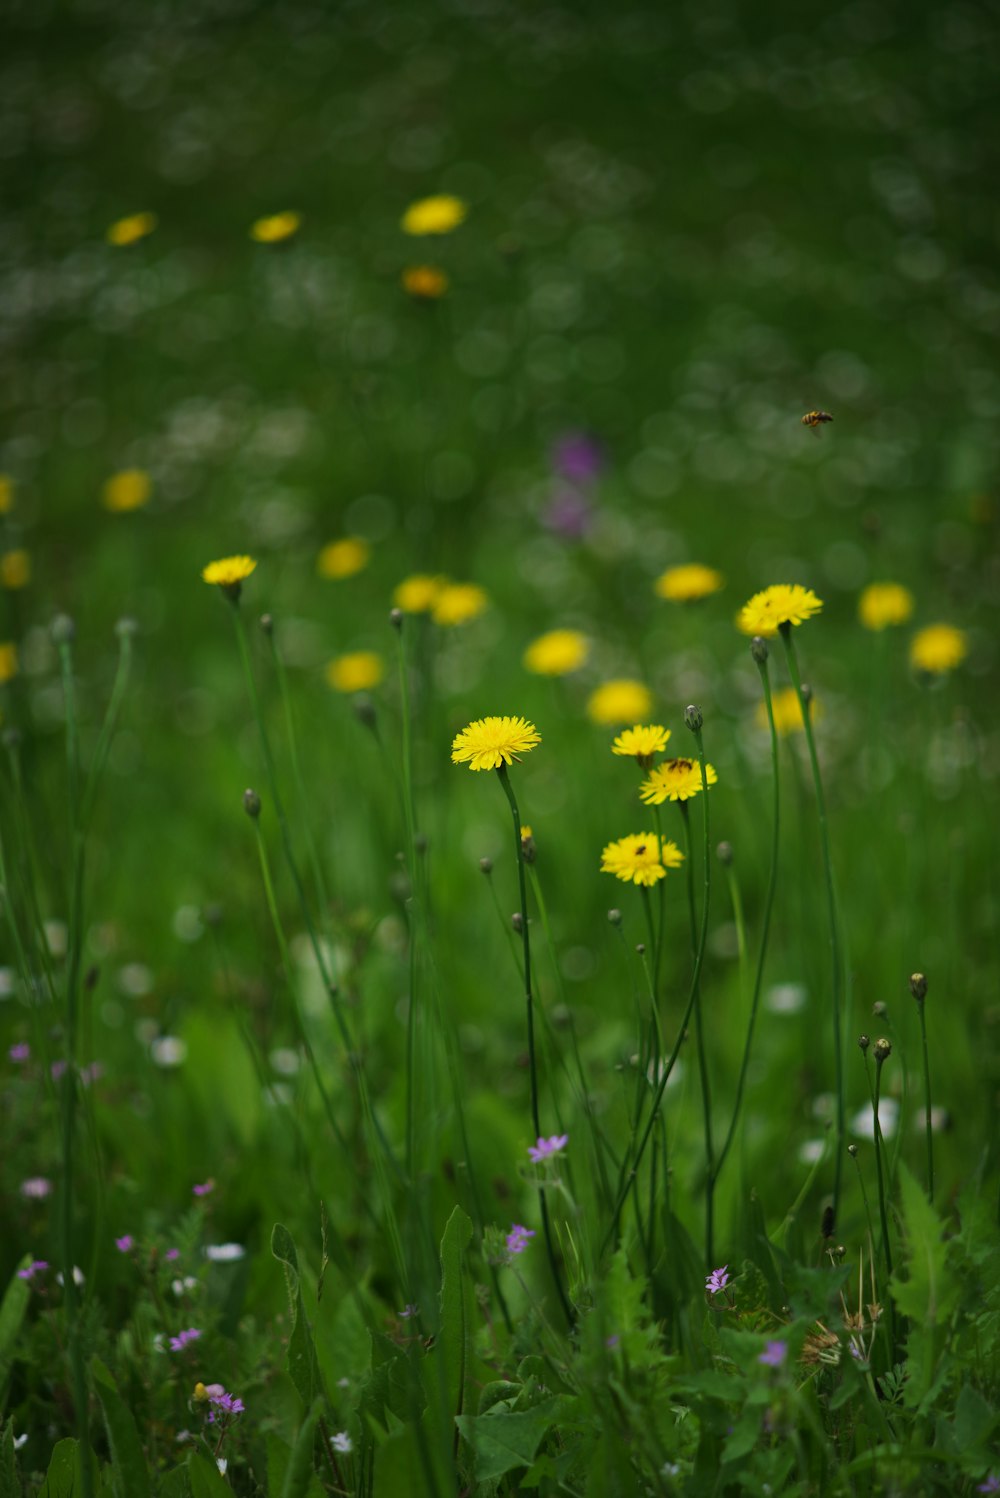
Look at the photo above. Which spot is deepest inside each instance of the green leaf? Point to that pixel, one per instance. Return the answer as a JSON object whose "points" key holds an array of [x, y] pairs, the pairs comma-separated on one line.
{"points": [[10, 1483], [64, 1479], [131, 1480], [504, 1441], [12, 1309], [206, 1479], [930, 1292], [302, 1365], [455, 1337], [176, 1483], [279, 1455], [299, 1473]]}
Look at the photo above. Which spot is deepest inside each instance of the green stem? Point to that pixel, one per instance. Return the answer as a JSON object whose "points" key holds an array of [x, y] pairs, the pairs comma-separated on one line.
{"points": [[300, 786], [876, 1093], [927, 1103], [706, 1096], [415, 900]]}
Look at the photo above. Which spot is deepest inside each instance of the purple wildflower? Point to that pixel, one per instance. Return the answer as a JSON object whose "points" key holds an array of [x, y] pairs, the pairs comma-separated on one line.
{"points": [[20, 1052], [517, 1238], [774, 1354], [182, 1339], [219, 1399], [612, 1341], [92, 1073], [35, 1267], [717, 1280], [36, 1188], [568, 514], [57, 1069], [125, 1244], [991, 1485], [172, 1254], [577, 457], [204, 1189], [546, 1147]]}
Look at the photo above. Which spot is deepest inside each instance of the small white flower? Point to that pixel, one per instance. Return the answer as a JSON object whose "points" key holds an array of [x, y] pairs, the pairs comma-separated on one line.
{"points": [[168, 1050], [78, 1276], [342, 1442], [182, 1436], [20, 1441], [222, 1464], [182, 1286], [224, 1253]]}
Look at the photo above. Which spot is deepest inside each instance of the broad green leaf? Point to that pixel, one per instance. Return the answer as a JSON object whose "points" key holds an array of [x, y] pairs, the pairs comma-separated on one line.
{"points": [[131, 1480], [929, 1293], [176, 1483], [206, 1479], [301, 1362], [503, 1441], [279, 1455], [493, 1393], [455, 1338], [12, 1309], [62, 1478], [299, 1472], [10, 1484]]}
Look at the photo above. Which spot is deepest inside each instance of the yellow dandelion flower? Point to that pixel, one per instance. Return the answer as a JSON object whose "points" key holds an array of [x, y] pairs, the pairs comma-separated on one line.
{"points": [[488, 743], [557, 653], [128, 490], [419, 593], [689, 583], [675, 780], [619, 701], [636, 859], [358, 671], [126, 231], [641, 743], [15, 569], [343, 558], [229, 574], [883, 604], [784, 603], [425, 282], [436, 215], [787, 712], [8, 661], [938, 648], [276, 227], [6, 494], [457, 603]]}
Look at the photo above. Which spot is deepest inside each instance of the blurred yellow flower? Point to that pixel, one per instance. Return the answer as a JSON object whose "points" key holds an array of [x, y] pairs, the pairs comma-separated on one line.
{"points": [[488, 743], [787, 712], [688, 583], [938, 648], [8, 661], [882, 604], [125, 231], [619, 701], [425, 282], [419, 593], [675, 780], [229, 574], [343, 558], [436, 215], [636, 859], [357, 672], [15, 569], [457, 603], [784, 603], [128, 490], [276, 227], [641, 743], [557, 653], [6, 494]]}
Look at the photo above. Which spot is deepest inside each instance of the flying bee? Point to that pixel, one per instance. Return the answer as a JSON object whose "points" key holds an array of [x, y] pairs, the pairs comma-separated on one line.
{"points": [[814, 419]]}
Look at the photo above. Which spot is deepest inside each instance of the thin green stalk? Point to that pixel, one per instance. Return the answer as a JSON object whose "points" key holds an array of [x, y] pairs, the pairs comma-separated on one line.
{"points": [[927, 1097], [831, 897], [415, 900], [529, 1000], [881, 1052], [706, 1096], [852, 1150], [293, 754]]}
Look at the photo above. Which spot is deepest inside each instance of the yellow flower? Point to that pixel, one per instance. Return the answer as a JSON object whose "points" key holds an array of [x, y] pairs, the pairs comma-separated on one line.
{"points": [[787, 712], [15, 569], [641, 743], [688, 583], [128, 490], [343, 558], [6, 494], [785, 603], [8, 661], [277, 227], [125, 231], [557, 653], [637, 860], [619, 701], [882, 604], [425, 282], [457, 603], [357, 672], [488, 743], [938, 648], [675, 780], [229, 574], [437, 215], [419, 593]]}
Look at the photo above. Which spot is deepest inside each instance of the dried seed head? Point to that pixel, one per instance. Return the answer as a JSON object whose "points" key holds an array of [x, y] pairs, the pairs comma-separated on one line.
{"points": [[918, 987]]}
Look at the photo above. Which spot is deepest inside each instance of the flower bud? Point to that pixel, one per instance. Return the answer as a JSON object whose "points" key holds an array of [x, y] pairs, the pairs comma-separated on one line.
{"points": [[396, 618], [724, 853], [883, 1049], [640, 948], [863, 1042], [759, 650], [486, 865], [918, 987], [693, 718], [517, 921], [880, 1009], [615, 917], [126, 628], [251, 804], [807, 695], [364, 709], [267, 624], [852, 1150], [62, 630]]}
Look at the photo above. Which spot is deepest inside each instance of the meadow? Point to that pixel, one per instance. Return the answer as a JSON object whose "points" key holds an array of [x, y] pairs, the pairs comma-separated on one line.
{"points": [[498, 900]]}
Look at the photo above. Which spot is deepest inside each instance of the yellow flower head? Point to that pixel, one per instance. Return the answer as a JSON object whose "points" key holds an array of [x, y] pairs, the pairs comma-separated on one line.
{"points": [[938, 648], [882, 604], [619, 701], [641, 743], [457, 603], [200, 1393], [15, 569], [357, 672], [8, 661], [557, 653], [419, 593], [636, 859], [489, 743], [128, 490], [785, 603], [689, 583], [6, 494], [787, 712], [125, 231], [229, 574], [274, 229], [437, 215], [675, 780], [425, 282], [343, 558]]}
